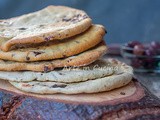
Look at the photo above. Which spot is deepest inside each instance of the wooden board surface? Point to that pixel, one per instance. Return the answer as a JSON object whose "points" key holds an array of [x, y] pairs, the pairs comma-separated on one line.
{"points": [[130, 102], [123, 93]]}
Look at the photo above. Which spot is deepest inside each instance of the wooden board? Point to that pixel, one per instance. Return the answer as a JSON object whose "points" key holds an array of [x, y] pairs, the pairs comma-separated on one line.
{"points": [[132, 99], [116, 95]]}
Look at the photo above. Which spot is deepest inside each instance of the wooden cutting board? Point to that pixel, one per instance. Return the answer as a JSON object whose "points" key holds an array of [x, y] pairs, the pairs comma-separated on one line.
{"points": [[130, 101]]}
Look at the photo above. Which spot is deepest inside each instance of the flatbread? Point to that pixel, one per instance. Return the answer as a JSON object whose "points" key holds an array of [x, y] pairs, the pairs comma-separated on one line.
{"points": [[81, 59], [65, 75], [120, 78], [50, 23], [58, 49]]}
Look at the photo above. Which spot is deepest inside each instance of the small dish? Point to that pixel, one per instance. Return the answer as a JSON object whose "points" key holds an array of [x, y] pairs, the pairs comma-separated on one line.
{"points": [[141, 63]]}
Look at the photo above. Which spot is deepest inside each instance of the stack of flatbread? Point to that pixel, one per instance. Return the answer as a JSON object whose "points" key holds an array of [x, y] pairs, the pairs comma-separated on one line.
{"points": [[58, 50]]}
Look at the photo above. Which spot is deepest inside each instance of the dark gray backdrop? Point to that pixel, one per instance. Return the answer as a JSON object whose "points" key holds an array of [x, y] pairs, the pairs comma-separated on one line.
{"points": [[125, 20]]}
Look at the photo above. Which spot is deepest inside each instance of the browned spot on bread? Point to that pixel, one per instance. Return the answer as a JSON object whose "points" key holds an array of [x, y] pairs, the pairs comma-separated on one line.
{"points": [[13, 55], [64, 56], [61, 73], [27, 58], [46, 69], [122, 93], [55, 86], [22, 28], [37, 53], [66, 20], [41, 25], [75, 18], [26, 85], [77, 41], [49, 38], [85, 16]]}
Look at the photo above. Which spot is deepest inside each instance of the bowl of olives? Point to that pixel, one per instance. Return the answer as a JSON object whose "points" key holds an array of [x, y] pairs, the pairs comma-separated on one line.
{"points": [[142, 57]]}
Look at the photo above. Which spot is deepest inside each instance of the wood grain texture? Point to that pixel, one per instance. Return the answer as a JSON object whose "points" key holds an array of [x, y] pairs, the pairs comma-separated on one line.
{"points": [[121, 95], [33, 108]]}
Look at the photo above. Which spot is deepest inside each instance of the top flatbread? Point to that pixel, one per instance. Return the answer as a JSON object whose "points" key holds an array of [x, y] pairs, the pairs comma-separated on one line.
{"points": [[58, 49], [50, 23]]}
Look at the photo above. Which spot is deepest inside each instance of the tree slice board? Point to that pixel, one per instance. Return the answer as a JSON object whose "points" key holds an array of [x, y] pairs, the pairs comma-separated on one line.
{"points": [[118, 95], [129, 102]]}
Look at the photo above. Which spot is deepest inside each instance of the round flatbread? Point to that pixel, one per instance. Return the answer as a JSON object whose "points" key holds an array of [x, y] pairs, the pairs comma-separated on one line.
{"points": [[58, 49], [50, 23], [65, 75], [122, 76], [81, 59]]}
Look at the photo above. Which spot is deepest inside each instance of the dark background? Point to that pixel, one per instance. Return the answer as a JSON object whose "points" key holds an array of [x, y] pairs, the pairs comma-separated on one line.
{"points": [[125, 20]]}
